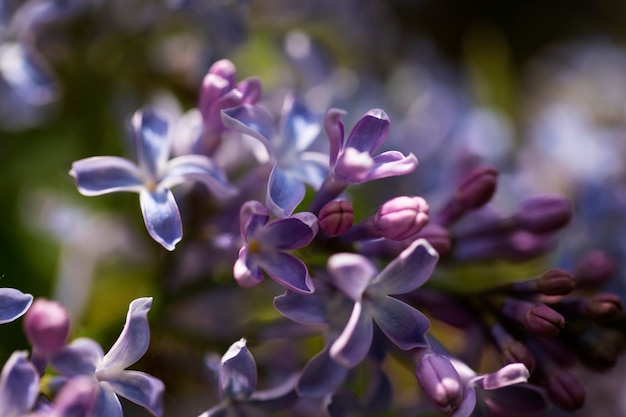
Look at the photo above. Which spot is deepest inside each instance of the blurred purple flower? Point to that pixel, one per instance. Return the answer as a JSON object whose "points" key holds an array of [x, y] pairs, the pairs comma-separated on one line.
{"points": [[13, 303], [75, 399], [372, 294], [19, 386], [265, 244], [152, 177], [293, 165], [85, 357]]}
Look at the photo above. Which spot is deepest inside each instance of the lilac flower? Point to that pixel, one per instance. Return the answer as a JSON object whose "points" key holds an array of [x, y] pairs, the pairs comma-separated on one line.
{"points": [[19, 386], [357, 278], [75, 399], [85, 357], [13, 303], [265, 244], [293, 165], [353, 161], [152, 177]]}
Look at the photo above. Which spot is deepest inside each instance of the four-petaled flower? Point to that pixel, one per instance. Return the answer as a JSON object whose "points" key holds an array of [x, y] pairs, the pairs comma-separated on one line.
{"points": [[153, 177], [265, 244]]}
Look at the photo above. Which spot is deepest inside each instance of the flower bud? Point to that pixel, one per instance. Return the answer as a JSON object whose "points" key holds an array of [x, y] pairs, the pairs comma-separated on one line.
{"points": [[565, 390], [47, 326], [438, 237], [556, 282], [513, 351], [402, 217], [440, 382], [336, 217], [544, 214], [594, 269], [537, 319], [604, 306]]}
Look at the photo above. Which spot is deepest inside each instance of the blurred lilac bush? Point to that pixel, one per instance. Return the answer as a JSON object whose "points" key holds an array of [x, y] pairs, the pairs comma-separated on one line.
{"points": [[443, 237]]}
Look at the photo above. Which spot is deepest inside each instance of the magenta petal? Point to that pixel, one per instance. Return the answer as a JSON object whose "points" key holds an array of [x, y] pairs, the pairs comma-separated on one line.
{"points": [[197, 168], [250, 89], [140, 388], [77, 397], [161, 216], [351, 273], [284, 192], [404, 326], [106, 174], [352, 345], [301, 308], [391, 164], [369, 132], [410, 270], [321, 376], [287, 270]]}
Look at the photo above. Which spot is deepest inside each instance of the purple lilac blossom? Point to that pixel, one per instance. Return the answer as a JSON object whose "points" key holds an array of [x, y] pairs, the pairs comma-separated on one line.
{"points": [[372, 293], [19, 386], [265, 243], [85, 357], [75, 399], [153, 177], [13, 303], [293, 165], [353, 161]]}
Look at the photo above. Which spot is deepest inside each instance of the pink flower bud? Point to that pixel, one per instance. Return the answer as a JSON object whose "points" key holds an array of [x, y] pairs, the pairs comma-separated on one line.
{"points": [[556, 282], [402, 217], [604, 306], [47, 326], [440, 382], [336, 217]]}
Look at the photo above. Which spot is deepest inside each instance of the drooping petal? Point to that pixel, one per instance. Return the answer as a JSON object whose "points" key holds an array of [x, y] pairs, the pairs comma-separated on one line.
{"points": [[238, 374], [252, 215], [161, 216], [351, 273], [299, 126], [301, 308], [252, 121], [153, 142], [138, 387], [405, 326], [352, 345], [134, 339], [106, 174], [107, 404], [284, 192], [13, 303], [321, 376], [198, 168], [410, 270], [19, 385], [286, 234], [246, 272], [514, 373], [288, 271], [467, 405], [81, 357], [369, 132], [334, 131], [520, 400], [391, 164]]}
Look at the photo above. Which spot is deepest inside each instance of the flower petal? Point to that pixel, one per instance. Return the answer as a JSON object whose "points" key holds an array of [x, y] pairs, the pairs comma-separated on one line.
{"points": [[311, 168], [299, 126], [352, 345], [106, 174], [335, 131], [252, 215], [197, 168], [288, 271], [153, 142], [252, 121], [238, 374], [391, 164], [19, 385], [134, 339], [13, 303], [521, 400], [405, 326], [286, 234], [81, 357], [138, 387], [410, 270], [514, 373], [351, 273], [321, 376], [301, 308], [467, 405], [161, 216], [77, 397], [244, 275], [284, 192], [369, 132], [107, 404]]}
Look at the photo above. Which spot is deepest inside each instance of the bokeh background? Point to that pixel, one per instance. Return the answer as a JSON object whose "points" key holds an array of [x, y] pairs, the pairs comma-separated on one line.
{"points": [[535, 88]]}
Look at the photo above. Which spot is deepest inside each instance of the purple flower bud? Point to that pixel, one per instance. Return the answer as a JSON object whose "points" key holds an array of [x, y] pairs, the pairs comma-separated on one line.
{"points": [[47, 326], [556, 282], [438, 237], [594, 269], [440, 382], [565, 390], [601, 307], [336, 217], [402, 217], [76, 398], [513, 351], [538, 319], [544, 214]]}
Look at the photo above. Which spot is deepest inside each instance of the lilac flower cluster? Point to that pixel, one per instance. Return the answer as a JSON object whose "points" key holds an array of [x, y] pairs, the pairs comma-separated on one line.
{"points": [[373, 287]]}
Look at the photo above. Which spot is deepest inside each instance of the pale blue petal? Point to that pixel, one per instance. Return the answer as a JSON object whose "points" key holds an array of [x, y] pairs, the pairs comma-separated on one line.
{"points": [[299, 127], [107, 404], [352, 345], [302, 308], [287, 234], [410, 270], [19, 386], [153, 142], [311, 168], [13, 303], [138, 387], [106, 174], [197, 168], [321, 376], [238, 374], [369, 132], [252, 121], [402, 324], [134, 339], [284, 192], [287, 270], [161, 216], [351, 273], [391, 164], [81, 357]]}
